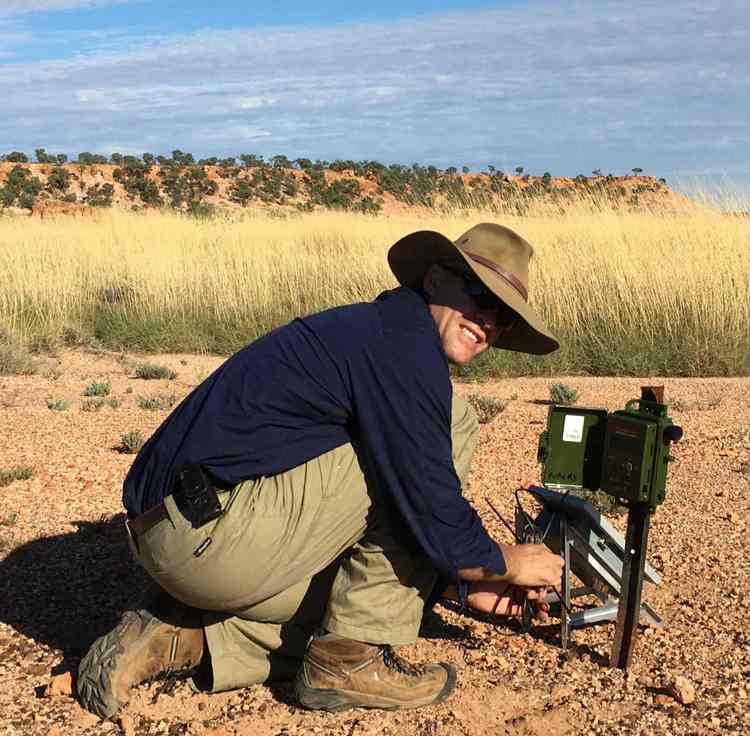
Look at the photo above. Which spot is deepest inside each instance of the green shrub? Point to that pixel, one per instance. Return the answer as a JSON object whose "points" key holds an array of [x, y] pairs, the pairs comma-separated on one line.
{"points": [[241, 192], [58, 181], [133, 177], [559, 393], [98, 388], [100, 195], [20, 472], [16, 157], [131, 442], [20, 188], [160, 401], [486, 407], [57, 404], [114, 403], [187, 188], [150, 371]]}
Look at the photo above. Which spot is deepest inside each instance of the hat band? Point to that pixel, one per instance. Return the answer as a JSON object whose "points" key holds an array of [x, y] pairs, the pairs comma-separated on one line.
{"points": [[505, 275]]}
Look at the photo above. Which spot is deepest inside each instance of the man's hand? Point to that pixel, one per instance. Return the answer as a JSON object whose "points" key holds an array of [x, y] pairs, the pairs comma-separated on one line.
{"points": [[528, 566], [502, 599], [531, 565]]}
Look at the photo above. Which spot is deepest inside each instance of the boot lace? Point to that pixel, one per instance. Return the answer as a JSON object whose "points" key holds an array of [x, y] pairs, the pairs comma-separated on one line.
{"points": [[394, 662]]}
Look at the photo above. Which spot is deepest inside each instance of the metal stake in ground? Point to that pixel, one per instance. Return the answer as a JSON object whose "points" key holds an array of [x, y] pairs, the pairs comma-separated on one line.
{"points": [[629, 606]]}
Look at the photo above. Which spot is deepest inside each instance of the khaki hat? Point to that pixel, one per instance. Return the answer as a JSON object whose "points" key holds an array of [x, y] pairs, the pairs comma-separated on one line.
{"points": [[499, 257]]}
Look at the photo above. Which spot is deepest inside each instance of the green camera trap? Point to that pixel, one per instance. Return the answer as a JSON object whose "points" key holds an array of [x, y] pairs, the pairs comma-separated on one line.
{"points": [[625, 454]]}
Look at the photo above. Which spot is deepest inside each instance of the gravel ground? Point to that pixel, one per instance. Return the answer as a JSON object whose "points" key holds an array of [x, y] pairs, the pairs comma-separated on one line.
{"points": [[65, 575]]}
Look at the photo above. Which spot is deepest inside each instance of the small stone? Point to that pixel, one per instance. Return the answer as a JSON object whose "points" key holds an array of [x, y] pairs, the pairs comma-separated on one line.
{"points": [[662, 699], [127, 725], [85, 720], [561, 692], [220, 731], [60, 685], [682, 690]]}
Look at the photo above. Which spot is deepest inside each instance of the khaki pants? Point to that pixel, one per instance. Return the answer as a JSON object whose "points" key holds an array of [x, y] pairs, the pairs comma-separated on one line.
{"points": [[313, 546]]}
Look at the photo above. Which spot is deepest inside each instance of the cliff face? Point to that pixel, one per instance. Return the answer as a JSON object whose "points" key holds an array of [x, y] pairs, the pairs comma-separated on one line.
{"points": [[74, 188]]}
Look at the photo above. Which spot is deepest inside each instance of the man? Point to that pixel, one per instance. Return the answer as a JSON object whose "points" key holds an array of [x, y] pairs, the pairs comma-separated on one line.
{"points": [[311, 485]]}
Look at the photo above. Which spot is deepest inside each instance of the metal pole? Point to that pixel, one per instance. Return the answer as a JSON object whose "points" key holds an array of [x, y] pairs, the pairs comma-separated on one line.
{"points": [[565, 597], [629, 607]]}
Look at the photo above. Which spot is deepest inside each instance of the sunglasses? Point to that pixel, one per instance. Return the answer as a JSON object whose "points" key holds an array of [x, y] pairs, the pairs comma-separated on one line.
{"points": [[486, 299]]}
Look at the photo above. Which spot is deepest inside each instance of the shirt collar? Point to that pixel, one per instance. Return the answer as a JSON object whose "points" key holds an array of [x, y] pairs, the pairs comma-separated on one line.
{"points": [[411, 307]]}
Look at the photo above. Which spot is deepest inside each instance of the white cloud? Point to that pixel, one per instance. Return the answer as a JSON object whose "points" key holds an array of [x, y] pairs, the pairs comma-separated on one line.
{"points": [[565, 87], [252, 103], [18, 7], [236, 134]]}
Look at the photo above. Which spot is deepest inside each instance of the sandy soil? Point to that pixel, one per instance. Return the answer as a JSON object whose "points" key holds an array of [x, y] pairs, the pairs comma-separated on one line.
{"points": [[65, 576]]}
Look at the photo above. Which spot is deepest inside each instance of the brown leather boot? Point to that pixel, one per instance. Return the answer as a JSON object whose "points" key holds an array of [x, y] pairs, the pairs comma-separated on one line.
{"points": [[164, 637], [337, 674]]}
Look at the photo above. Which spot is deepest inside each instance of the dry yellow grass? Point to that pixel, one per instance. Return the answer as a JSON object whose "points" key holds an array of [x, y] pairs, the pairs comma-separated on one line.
{"points": [[645, 293]]}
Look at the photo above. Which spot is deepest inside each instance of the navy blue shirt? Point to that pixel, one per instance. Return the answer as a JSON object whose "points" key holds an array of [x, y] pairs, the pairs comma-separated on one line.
{"points": [[373, 374]]}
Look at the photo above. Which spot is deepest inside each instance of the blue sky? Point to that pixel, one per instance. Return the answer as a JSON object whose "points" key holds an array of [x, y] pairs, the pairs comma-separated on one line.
{"points": [[566, 86]]}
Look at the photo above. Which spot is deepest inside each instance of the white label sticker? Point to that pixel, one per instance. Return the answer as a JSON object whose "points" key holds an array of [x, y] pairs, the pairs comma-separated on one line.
{"points": [[573, 428]]}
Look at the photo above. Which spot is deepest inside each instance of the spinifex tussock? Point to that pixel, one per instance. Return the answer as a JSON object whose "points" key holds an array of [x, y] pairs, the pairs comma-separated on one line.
{"points": [[628, 293], [20, 472], [151, 371]]}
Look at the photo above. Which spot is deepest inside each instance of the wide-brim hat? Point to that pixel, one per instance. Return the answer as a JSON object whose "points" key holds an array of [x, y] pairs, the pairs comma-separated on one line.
{"points": [[499, 257]]}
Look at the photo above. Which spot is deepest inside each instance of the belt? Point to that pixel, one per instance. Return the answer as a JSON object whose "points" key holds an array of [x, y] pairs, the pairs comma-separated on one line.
{"points": [[147, 520]]}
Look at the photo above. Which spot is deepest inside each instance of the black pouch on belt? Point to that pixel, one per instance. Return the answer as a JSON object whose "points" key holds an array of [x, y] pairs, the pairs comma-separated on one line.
{"points": [[195, 496]]}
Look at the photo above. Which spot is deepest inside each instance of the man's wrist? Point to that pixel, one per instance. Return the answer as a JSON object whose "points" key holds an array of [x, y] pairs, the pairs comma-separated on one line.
{"points": [[509, 554], [483, 574]]}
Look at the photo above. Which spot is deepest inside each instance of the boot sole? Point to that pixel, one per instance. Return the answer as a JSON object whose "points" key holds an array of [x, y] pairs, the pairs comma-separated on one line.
{"points": [[94, 683], [95, 672], [335, 700]]}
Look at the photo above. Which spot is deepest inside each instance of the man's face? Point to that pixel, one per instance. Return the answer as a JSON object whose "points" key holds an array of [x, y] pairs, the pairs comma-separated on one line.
{"points": [[466, 329]]}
